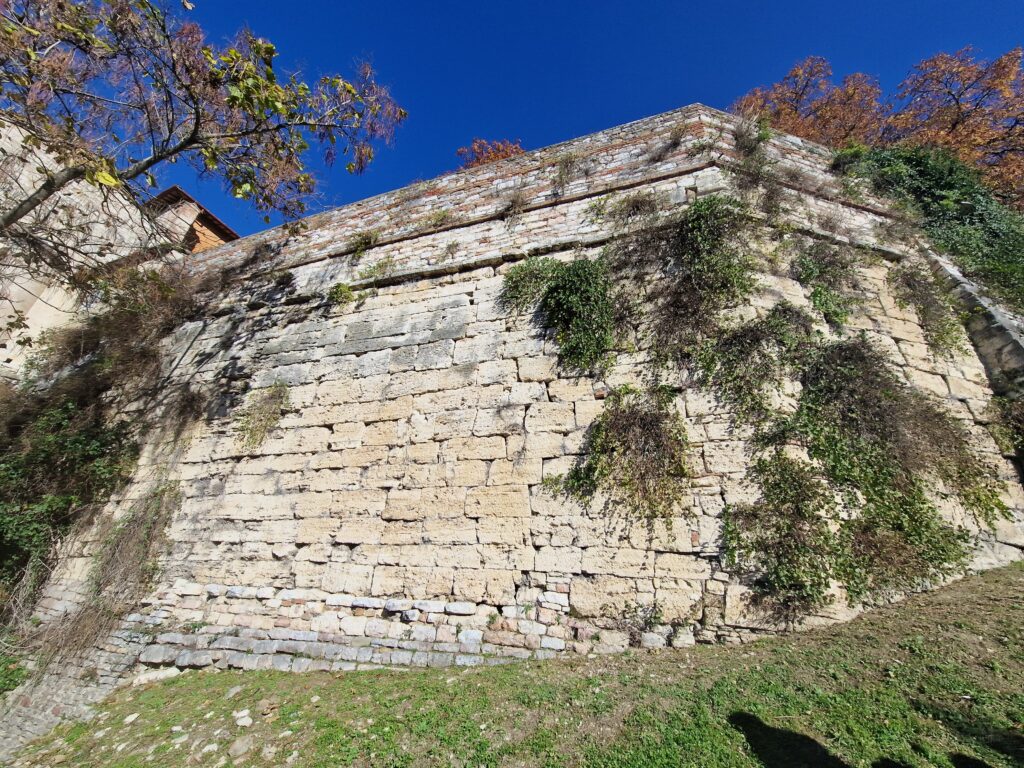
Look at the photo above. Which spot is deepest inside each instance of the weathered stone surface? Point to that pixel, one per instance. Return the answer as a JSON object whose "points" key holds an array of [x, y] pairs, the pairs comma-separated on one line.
{"points": [[396, 514]]}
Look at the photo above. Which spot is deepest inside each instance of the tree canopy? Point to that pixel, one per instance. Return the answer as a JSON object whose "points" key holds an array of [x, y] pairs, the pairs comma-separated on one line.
{"points": [[971, 107], [111, 89]]}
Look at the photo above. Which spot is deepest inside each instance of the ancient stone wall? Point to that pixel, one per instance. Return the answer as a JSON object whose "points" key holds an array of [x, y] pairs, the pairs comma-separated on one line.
{"points": [[396, 514]]}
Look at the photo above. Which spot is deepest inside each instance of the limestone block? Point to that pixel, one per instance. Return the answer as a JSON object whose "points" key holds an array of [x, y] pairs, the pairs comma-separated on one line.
{"points": [[634, 563], [475, 448], [503, 530], [516, 472], [347, 435], [346, 577], [589, 596], [551, 417], [499, 421], [477, 349], [498, 501], [412, 581], [467, 473], [676, 566], [725, 456], [571, 390], [536, 368], [315, 530], [929, 382], [502, 372], [359, 530], [559, 560], [449, 531]]}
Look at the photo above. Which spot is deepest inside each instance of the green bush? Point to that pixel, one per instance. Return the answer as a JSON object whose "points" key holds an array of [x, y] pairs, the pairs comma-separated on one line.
{"points": [[574, 299], [682, 273], [12, 673], [959, 213], [635, 453], [55, 460]]}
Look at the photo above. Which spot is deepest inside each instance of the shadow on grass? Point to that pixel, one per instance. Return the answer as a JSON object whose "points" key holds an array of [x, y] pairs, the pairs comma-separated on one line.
{"points": [[781, 748]]}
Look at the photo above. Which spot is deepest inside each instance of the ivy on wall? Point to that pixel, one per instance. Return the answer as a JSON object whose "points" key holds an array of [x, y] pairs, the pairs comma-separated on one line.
{"points": [[858, 509]]}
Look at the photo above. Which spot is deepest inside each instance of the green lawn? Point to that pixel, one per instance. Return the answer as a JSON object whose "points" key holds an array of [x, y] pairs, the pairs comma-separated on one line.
{"points": [[937, 680]]}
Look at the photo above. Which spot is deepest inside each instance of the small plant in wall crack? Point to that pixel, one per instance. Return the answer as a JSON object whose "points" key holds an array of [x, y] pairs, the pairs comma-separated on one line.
{"points": [[363, 242], [635, 454], [636, 619], [261, 415], [341, 295], [379, 269]]}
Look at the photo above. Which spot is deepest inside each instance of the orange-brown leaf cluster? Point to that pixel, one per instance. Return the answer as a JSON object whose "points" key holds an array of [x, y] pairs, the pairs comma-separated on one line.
{"points": [[482, 151], [971, 107]]}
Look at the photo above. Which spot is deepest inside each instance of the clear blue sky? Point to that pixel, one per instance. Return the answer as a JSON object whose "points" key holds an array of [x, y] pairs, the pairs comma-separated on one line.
{"points": [[548, 71]]}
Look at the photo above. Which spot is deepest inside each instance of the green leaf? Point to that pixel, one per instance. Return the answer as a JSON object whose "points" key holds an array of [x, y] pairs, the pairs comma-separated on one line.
{"points": [[106, 179]]}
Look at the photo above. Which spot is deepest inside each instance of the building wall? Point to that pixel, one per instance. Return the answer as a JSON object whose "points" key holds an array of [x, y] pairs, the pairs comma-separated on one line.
{"points": [[396, 514]]}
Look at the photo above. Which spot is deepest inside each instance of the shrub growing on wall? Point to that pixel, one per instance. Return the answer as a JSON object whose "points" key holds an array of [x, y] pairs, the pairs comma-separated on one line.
{"points": [[959, 213], [635, 454], [574, 299]]}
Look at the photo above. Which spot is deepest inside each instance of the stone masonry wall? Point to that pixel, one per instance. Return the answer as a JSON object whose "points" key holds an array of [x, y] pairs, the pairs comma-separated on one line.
{"points": [[396, 513]]}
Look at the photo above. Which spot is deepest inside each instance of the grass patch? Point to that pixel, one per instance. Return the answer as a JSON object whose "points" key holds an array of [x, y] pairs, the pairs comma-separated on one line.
{"points": [[934, 681]]}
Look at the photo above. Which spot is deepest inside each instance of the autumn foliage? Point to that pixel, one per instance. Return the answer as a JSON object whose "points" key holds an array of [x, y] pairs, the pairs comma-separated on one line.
{"points": [[482, 151], [972, 107]]}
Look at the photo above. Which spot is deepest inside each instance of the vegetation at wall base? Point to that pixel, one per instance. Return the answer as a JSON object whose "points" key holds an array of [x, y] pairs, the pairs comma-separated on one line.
{"points": [[932, 682], [960, 214], [69, 435], [784, 541], [57, 458]]}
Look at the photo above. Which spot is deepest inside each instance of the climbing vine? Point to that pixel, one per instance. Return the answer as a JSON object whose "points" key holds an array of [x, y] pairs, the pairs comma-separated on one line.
{"points": [[830, 272], [747, 364], [784, 541], [914, 286]]}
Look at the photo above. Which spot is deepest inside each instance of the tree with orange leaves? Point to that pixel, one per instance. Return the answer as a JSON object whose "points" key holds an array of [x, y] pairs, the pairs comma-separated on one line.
{"points": [[807, 103], [973, 108], [482, 151]]}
